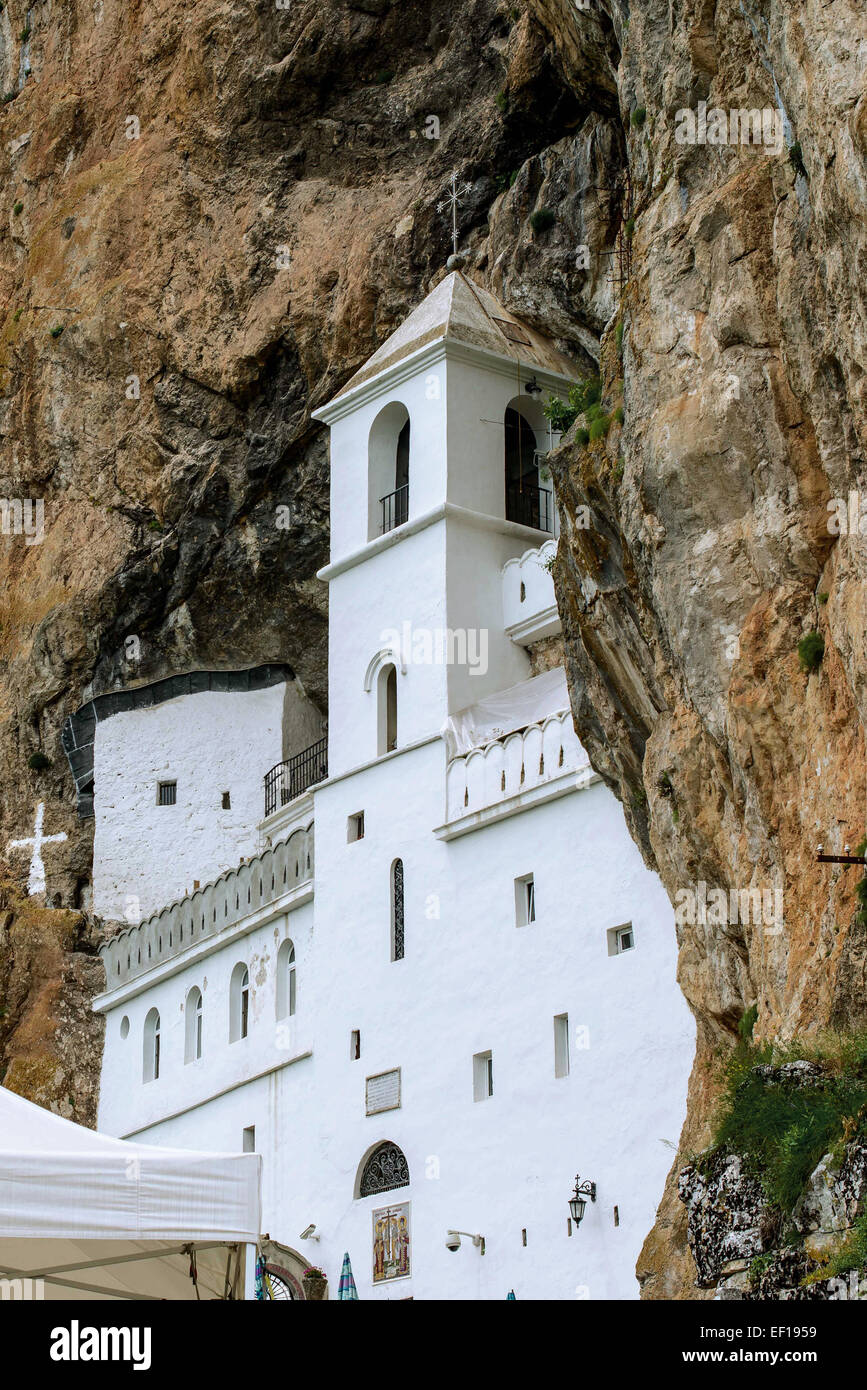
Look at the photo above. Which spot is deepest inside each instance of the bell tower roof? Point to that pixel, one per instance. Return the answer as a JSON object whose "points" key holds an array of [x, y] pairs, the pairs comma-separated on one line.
{"points": [[461, 312]]}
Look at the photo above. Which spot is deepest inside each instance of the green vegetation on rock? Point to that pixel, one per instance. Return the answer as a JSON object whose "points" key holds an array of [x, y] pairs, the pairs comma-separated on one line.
{"points": [[782, 1126], [811, 649], [582, 396]]}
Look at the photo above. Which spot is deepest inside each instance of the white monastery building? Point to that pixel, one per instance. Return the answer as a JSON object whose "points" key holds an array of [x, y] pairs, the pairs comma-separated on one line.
{"points": [[428, 977]]}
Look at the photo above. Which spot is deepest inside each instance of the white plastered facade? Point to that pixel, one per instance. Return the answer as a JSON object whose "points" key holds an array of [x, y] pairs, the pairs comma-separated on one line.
{"points": [[475, 977]]}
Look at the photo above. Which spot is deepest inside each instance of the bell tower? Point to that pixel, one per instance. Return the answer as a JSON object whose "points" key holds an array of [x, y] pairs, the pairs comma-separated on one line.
{"points": [[437, 445]]}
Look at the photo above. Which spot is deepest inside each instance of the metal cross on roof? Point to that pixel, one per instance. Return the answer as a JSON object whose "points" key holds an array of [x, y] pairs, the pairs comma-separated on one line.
{"points": [[453, 200]]}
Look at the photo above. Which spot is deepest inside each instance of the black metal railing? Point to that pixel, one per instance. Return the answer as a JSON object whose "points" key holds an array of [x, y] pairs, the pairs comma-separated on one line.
{"points": [[292, 777], [395, 509], [530, 506]]}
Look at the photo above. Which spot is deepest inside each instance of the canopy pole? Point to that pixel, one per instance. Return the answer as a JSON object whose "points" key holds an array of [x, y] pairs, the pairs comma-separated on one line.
{"points": [[251, 1254]]}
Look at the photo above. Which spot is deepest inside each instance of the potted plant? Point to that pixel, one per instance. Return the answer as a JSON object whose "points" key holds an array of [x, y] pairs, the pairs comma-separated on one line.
{"points": [[315, 1283]]}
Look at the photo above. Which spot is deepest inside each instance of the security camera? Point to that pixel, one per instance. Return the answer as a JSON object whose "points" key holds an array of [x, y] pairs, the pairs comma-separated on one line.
{"points": [[453, 1241], [308, 1233]]}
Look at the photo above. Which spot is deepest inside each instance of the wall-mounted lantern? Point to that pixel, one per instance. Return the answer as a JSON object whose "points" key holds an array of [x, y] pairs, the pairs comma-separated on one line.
{"points": [[578, 1200]]}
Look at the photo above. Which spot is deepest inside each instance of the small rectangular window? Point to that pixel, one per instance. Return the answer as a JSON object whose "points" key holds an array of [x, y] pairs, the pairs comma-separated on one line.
{"points": [[483, 1075], [355, 1044], [249, 1139], [561, 1045], [355, 828], [227, 801], [620, 939], [525, 900], [167, 793]]}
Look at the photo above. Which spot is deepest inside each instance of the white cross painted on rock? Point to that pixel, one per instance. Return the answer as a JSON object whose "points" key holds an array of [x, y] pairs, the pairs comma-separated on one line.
{"points": [[36, 879]]}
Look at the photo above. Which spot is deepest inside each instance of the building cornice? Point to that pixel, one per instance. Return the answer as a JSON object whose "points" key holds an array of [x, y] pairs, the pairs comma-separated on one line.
{"points": [[444, 511], [225, 1091], [378, 762], [514, 805], [544, 623], [441, 349]]}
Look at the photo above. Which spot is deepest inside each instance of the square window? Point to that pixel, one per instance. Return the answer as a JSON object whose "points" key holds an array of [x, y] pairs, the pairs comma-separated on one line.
{"points": [[561, 1045], [355, 828], [483, 1076], [167, 793], [620, 939], [249, 1138], [525, 900], [355, 1044], [227, 801]]}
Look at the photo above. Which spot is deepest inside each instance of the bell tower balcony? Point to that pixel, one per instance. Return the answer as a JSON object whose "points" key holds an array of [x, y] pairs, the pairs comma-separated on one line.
{"points": [[529, 604]]}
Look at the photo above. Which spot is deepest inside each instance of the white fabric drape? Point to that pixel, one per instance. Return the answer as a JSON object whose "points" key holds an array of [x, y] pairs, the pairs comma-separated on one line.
{"points": [[504, 712]]}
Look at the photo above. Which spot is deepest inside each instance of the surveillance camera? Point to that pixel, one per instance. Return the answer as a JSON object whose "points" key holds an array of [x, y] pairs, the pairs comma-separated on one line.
{"points": [[307, 1232], [453, 1241]]}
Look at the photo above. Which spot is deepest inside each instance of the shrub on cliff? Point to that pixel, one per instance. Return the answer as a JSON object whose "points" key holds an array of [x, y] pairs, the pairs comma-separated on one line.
{"points": [[811, 649], [582, 397], [542, 219], [785, 1106]]}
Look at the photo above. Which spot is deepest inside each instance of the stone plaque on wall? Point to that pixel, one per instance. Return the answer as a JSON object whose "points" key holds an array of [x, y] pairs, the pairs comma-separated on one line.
{"points": [[382, 1092]]}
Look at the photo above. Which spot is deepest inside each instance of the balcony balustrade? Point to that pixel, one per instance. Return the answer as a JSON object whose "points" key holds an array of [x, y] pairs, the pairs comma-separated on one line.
{"points": [[206, 913], [291, 778], [514, 764], [529, 605], [395, 509]]}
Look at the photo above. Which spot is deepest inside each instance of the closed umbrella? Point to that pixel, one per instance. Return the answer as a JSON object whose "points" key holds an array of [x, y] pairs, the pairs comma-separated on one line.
{"points": [[346, 1289]]}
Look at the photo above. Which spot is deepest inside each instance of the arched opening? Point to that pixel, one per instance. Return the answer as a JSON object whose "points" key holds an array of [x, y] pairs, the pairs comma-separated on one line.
{"points": [[527, 502], [388, 470], [397, 915], [286, 980], [193, 1026], [383, 1169], [239, 1003], [151, 1059], [386, 710]]}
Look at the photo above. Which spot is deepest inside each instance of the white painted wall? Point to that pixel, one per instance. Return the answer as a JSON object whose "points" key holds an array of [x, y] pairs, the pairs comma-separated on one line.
{"points": [[442, 578], [405, 582], [146, 855], [471, 981], [424, 397]]}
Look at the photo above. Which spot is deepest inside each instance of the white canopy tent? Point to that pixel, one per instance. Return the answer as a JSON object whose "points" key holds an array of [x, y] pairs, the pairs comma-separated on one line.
{"points": [[96, 1217]]}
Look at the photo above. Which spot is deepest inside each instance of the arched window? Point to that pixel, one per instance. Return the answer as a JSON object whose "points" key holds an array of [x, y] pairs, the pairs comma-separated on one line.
{"points": [[388, 470], [239, 1003], [397, 910], [526, 502], [386, 710], [151, 1069], [384, 1170], [286, 980], [193, 1025]]}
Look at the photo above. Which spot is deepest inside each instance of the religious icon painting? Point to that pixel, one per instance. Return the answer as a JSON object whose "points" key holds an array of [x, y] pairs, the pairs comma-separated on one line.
{"points": [[391, 1243]]}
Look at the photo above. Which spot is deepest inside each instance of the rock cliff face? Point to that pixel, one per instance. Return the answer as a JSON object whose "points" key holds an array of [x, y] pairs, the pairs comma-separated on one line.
{"points": [[213, 214], [746, 1247], [710, 555]]}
